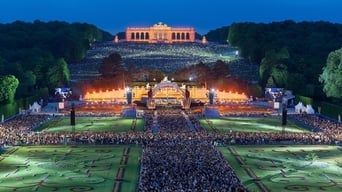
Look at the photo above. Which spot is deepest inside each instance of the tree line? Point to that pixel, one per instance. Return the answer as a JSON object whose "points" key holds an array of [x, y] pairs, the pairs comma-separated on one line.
{"points": [[36, 55], [291, 54]]}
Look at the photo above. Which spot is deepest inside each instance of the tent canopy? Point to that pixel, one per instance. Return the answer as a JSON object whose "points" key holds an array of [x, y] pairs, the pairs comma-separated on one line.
{"points": [[35, 107], [300, 108], [309, 109]]}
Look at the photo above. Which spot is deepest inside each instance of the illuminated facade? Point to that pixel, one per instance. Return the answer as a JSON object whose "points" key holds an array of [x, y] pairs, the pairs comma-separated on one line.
{"points": [[163, 93], [160, 33]]}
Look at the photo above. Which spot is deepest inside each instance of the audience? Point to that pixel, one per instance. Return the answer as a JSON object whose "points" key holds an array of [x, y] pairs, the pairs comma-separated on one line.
{"points": [[178, 154]]}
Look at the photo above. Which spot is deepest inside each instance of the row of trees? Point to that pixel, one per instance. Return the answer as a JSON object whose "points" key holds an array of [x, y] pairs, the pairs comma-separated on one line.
{"points": [[37, 54], [290, 54], [112, 67], [114, 74]]}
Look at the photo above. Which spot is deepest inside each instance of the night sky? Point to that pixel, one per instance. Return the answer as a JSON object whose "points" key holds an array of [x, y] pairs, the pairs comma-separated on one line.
{"points": [[204, 15]]}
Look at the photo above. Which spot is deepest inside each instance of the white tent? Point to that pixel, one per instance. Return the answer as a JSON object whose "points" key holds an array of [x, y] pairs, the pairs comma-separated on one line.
{"points": [[36, 108], [309, 109], [300, 108]]}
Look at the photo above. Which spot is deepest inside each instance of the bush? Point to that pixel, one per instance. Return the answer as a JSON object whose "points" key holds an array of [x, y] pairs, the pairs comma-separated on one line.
{"points": [[305, 100], [330, 109]]}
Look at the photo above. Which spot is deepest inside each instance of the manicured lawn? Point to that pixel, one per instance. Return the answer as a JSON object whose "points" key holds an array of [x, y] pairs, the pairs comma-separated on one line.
{"points": [[251, 124], [69, 168], [287, 168], [95, 124]]}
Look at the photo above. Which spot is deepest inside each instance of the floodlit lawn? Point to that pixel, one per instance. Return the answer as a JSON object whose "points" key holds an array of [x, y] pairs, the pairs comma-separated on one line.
{"points": [[251, 124], [68, 168], [287, 168], [97, 124]]}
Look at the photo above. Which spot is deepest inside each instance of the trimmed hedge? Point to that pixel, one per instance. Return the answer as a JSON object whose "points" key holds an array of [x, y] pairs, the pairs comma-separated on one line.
{"points": [[327, 109], [330, 110], [305, 100]]}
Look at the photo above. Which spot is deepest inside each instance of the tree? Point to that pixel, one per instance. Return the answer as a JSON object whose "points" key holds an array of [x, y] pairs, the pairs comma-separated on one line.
{"points": [[280, 74], [255, 90], [274, 65], [218, 35], [27, 83], [203, 73], [220, 69], [331, 76], [112, 66], [59, 74], [270, 82], [8, 87]]}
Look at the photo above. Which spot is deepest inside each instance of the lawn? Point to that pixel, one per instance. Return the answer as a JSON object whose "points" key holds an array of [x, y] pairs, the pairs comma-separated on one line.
{"points": [[250, 124], [95, 124], [287, 168], [69, 168]]}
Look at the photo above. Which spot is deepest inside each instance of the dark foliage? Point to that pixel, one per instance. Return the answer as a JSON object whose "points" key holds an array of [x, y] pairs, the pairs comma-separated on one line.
{"points": [[218, 35], [30, 50], [307, 43]]}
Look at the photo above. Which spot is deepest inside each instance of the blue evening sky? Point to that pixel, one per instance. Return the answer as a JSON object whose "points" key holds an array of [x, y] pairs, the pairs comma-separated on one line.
{"points": [[204, 15]]}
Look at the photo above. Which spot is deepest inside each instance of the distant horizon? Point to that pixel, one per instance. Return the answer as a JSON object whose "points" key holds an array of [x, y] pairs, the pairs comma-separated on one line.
{"points": [[203, 15]]}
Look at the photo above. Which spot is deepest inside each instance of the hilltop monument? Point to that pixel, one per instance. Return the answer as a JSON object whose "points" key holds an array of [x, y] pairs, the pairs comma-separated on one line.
{"points": [[160, 33]]}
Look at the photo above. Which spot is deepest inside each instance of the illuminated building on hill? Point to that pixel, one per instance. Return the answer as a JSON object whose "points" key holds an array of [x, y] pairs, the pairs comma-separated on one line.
{"points": [[160, 33]]}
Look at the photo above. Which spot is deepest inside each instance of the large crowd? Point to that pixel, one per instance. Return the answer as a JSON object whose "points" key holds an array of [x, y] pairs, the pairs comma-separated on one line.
{"points": [[164, 57], [183, 163], [167, 58], [178, 154], [20, 131], [186, 165], [320, 124]]}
